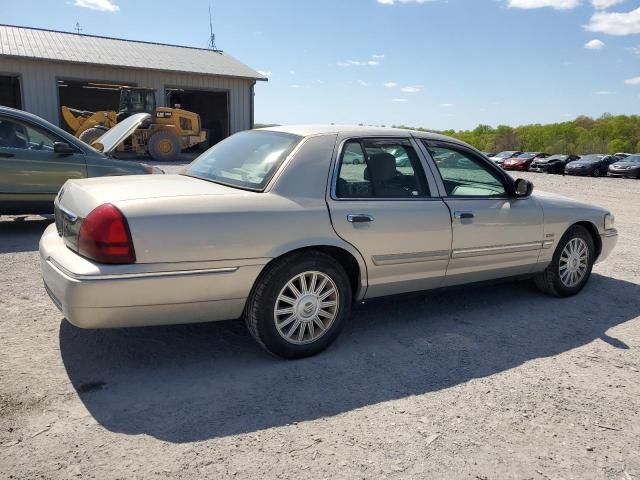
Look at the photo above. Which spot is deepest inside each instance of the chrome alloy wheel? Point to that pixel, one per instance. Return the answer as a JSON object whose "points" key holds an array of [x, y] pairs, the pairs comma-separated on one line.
{"points": [[306, 307], [574, 262]]}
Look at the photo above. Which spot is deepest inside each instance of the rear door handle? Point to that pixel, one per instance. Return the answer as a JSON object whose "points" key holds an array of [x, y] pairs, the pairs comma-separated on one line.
{"points": [[6, 155], [463, 215], [359, 218]]}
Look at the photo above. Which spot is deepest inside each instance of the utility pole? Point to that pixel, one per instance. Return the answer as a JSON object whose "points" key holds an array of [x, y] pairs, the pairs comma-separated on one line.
{"points": [[78, 29]]}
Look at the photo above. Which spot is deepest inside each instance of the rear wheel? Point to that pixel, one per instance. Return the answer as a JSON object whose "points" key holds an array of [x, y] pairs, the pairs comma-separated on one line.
{"points": [[164, 146], [90, 135], [596, 172], [299, 305], [571, 266]]}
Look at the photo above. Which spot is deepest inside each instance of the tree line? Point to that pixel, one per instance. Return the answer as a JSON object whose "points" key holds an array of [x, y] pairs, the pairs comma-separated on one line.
{"points": [[606, 134]]}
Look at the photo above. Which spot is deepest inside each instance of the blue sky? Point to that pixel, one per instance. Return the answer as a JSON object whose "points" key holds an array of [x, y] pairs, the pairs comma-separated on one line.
{"points": [[432, 63]]}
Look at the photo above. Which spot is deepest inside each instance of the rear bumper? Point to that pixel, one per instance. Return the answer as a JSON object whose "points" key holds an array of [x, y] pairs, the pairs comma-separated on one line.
{"points": [[108, 299], [609, 239]]}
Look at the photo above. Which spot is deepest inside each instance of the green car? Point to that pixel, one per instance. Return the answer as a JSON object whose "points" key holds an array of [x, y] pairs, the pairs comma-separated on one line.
{"points": [[36, 158]]}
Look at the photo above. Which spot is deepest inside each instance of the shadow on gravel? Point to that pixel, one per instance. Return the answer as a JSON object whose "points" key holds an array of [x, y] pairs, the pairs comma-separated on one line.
{"points": [[194, 382], [18, 234]]}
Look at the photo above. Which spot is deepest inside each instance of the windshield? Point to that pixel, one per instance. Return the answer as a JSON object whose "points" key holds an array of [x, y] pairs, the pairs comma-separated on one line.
{"points": [[632, 158], [592, 158], [246, 159], [527, 155], [504, 154], [558, 157]]}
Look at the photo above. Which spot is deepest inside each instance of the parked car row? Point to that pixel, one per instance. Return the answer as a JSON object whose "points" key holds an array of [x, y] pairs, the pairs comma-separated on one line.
{"points": [[595, 165]]}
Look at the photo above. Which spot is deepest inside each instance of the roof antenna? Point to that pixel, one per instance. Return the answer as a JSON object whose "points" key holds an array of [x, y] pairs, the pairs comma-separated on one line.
{"points": [[78, 29], [212, 36]]}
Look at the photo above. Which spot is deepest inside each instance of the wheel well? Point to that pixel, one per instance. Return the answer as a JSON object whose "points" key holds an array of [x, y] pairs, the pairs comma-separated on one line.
{"points": [[597, 241], [343, 257]]}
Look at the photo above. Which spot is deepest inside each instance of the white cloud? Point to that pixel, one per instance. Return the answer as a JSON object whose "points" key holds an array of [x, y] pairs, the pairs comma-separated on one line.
{"points": [[390, 84], [265, 73], [412, 88], [604, 92], [604, 4], [378, 56], [613, 23], [393, 2], [594, 44], [294, 86], [99, 5], [635, 50], [555, 4], [359, 63], [292, 72], [398, 99], [632, 81], [362, 83], [566, 63], [446, 105]]}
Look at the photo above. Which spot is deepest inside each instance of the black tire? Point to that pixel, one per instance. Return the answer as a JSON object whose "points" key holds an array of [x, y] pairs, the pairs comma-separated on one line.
{"points": [[90, 135], [596, 172], [549, 280], [259, 312], [164, 146], [356, 162]]}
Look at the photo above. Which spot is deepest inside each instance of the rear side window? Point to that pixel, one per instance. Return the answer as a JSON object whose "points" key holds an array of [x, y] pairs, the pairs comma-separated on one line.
{"points": [[380, 168]]}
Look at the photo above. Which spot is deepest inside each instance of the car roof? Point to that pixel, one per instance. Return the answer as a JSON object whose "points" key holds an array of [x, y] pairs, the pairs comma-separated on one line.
{"points": [[311, 130]]}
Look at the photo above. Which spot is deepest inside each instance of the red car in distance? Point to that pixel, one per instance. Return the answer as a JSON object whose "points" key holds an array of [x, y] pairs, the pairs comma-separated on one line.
{"points": [[522, 161]]}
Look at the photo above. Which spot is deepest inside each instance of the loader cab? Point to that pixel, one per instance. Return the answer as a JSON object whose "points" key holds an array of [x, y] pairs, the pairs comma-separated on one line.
{"points": [[136, 100]]}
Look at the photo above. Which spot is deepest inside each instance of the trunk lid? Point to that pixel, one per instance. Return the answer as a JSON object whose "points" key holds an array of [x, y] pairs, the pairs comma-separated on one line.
{"points": [[77, 198]]}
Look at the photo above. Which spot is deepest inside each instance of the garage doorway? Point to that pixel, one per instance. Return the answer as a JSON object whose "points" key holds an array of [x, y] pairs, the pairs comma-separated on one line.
{"points": [[212, 106], [10, 93], [88, 96]]}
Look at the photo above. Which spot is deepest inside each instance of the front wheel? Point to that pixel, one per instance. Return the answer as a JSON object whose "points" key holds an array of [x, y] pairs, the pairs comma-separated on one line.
{"points": [[596, 172], [164, 146], [571, 266], [299, 305]]}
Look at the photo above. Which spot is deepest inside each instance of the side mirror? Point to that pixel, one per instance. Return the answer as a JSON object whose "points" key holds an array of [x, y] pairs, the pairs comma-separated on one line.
{"points": [[524, 188], [63, 147]]}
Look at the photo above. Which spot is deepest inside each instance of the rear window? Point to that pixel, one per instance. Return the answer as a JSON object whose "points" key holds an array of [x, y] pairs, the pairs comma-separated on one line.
{"points": [[246, 160]]}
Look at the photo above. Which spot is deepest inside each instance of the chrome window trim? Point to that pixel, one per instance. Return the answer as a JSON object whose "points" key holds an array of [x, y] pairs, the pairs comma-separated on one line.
{"points": [[335, 172]]}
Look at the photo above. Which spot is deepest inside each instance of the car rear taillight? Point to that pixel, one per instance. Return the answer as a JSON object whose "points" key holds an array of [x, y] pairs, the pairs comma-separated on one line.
{"points": [[105, 236]]}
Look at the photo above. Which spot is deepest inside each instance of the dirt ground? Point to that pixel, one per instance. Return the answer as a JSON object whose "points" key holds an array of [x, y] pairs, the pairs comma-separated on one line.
{"points": [[484, 382]]}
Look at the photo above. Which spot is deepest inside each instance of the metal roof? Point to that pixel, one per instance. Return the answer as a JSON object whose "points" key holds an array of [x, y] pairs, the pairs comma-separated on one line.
{"points": [[57, 46]]}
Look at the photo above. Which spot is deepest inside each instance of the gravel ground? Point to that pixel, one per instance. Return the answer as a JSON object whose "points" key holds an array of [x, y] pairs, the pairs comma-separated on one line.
{"points": [[485, 382]]}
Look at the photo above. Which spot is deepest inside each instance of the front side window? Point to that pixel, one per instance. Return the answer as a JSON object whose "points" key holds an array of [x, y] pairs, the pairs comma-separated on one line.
{"points": [[17, 135], [464, 175], [380, 168], [246, 160]]}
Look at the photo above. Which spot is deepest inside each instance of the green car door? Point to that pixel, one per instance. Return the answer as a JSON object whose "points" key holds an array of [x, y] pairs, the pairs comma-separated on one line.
{"points": [[31, 171]]}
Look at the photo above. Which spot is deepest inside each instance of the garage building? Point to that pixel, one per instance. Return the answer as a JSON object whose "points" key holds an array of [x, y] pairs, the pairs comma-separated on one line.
{"points": [[41, 70]]}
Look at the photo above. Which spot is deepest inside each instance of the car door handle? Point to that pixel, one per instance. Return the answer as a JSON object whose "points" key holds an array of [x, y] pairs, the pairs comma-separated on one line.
{"points": [[6, 155], [463, 215], [359, 218]]}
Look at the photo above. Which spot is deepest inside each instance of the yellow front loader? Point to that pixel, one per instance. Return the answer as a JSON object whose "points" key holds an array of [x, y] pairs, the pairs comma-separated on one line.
{"points": [[169, 132]]}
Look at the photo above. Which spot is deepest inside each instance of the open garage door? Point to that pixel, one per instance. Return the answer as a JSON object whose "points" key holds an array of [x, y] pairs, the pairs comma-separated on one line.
{"points": [[10, 95], [90, 96], [212, 106]]}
